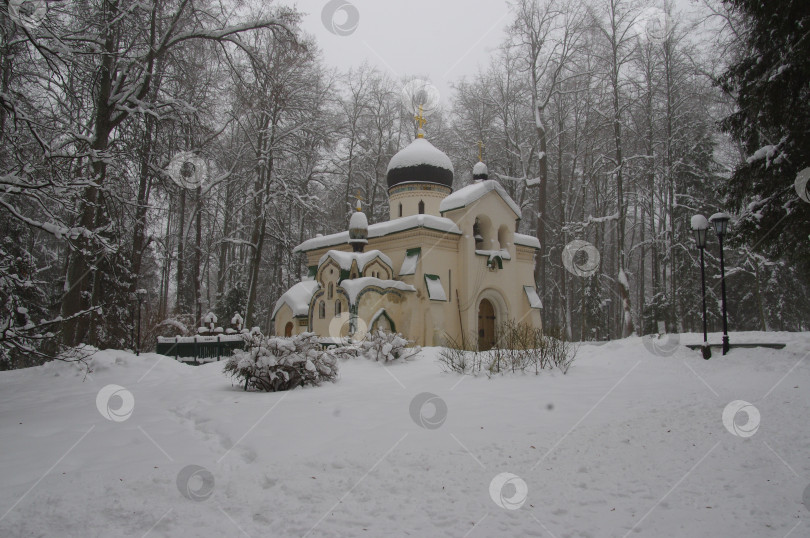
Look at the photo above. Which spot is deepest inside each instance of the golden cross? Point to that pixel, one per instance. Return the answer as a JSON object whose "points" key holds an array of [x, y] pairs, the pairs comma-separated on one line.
{"points": [[480, 151], [420, 120]]}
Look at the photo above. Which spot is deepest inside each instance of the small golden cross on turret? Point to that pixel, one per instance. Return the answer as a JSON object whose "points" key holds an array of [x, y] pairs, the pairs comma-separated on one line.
{"points": [[421, 121], [480, 151], [358, 206]]}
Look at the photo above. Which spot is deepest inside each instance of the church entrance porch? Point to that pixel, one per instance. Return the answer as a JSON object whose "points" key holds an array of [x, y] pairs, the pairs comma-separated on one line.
{"points": [[486, 325]]}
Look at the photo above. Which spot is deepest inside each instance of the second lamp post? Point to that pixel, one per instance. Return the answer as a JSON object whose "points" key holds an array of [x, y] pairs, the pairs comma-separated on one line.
{"points": [[720, 222]]}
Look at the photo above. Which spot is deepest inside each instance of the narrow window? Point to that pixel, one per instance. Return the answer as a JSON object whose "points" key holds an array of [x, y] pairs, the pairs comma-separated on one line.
{"points": [[338, 308], [331, 291], [322, 310], [400, 209], [421, 207]]}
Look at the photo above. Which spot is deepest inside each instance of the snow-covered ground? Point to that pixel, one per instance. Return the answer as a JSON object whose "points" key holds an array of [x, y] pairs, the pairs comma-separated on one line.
{"points": [[628, 443]]}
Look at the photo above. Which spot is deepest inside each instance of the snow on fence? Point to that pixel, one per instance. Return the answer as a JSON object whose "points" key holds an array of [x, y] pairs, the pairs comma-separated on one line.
{"points": [[199, 349]]}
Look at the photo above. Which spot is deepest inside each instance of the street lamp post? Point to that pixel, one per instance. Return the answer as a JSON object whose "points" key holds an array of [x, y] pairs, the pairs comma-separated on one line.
{"points": [[141, 294], [720, 222], [700, 225]]}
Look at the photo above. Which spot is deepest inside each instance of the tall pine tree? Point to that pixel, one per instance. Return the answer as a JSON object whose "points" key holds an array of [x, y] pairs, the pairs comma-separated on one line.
{"points": [[771, 84]]}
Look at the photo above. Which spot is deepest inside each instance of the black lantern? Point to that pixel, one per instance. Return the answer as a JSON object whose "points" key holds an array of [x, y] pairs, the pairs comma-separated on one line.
{"points": [[720, 223]]}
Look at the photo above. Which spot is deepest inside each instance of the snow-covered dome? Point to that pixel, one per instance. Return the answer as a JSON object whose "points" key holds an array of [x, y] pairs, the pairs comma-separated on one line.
{"points": [[480, 171], [358, 221], [358, 228], [420, 162]]}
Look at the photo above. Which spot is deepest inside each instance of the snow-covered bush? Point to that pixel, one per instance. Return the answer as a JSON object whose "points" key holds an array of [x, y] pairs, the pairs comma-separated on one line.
{"points": [[276, 364], [386, 346], [345, 352]]}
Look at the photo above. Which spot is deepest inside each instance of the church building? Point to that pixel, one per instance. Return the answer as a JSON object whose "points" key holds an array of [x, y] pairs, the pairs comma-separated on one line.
{"points": [[445, 265]]}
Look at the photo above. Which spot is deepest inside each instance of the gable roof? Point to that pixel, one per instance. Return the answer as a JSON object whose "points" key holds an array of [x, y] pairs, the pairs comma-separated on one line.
{"points": [[469, 194], [344, 259], [354, 286], [297, 298], [381, 229]]}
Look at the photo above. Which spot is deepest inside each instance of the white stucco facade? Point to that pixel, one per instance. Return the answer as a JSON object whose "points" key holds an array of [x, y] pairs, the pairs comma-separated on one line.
{"points": [[432, 273]]}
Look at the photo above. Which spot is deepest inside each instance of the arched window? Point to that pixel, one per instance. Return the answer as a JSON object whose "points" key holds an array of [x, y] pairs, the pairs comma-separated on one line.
{"points": [[504, 237], [288, 329], [322, 310], [400, 209], [330, 292], [338, 307], [485, 236], [421, 207]]}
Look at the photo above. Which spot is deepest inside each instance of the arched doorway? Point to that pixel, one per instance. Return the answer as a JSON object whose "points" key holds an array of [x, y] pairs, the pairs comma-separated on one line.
{"points": [[486, 325], [288, 329]]}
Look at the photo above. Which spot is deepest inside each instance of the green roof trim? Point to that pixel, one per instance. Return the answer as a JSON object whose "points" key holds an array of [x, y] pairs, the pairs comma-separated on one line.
{"points": [[413, 251]]}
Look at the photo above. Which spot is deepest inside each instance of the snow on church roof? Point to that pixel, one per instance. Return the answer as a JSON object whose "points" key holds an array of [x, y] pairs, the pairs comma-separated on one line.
{"points": [[381, 229], [527, 241], [354, 286], [420, 151], [344, 259], [297, 298], [469, 194]]}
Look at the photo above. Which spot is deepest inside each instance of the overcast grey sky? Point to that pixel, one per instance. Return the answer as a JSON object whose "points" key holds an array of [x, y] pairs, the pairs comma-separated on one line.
{"points": [[439, 40]]}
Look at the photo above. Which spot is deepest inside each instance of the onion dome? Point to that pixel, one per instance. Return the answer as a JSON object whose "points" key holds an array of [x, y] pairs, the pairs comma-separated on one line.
{"points": [[358, 229], [420, 162], [480, 171]]}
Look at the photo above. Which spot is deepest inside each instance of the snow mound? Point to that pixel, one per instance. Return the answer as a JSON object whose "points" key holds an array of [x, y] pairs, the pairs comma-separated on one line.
{"points": [[527, 241], [598, 449], [699, 222], [358, 221]]}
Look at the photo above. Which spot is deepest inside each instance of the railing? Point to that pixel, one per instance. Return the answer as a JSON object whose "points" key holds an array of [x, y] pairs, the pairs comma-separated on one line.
{"points": [[199, 349]]}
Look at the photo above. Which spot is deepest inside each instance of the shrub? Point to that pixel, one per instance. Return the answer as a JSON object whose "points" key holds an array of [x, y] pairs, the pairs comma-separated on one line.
{"points": [[520, 347], [386, 346], [456, 356], [276, 364]]}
